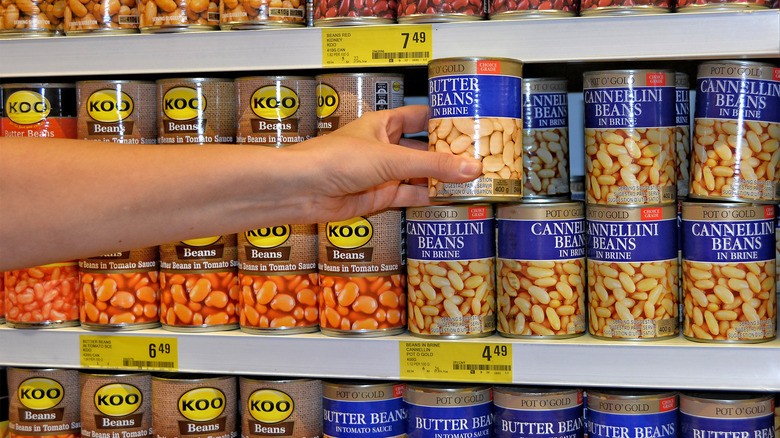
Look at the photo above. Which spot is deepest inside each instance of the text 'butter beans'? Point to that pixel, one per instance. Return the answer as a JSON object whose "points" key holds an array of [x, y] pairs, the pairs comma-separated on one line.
{"points": [[42, 296]]}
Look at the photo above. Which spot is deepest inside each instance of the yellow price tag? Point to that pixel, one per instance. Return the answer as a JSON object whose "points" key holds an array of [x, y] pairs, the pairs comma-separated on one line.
{"points": [[377, 45], [129, 352], [456, 361]]}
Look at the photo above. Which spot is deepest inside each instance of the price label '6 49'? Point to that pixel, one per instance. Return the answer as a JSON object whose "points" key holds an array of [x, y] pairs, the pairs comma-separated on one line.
{"points": [[129, 352]]}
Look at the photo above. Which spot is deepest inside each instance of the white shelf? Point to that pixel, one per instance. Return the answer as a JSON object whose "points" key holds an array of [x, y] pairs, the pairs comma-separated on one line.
{"points": [[753, 34], [584, 361]]}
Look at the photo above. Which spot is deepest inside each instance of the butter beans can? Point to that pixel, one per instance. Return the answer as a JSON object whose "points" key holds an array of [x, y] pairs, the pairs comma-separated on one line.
{"points": [[118, 111], [287, 408], [709, 414], [44, 403], [45, 110], [344, 97], [114, 404], [539, 412], [632, 414], [196, 406], [439, 410], [357, 409], [196, 111]]}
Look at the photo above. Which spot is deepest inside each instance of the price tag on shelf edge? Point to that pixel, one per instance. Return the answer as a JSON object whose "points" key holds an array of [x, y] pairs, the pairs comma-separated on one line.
{"points": [[456, 361], [377, 45], [129, 352]]}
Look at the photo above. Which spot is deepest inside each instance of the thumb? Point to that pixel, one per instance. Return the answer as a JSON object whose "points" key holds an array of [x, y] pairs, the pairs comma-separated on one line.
{"points": [[442, 166]]}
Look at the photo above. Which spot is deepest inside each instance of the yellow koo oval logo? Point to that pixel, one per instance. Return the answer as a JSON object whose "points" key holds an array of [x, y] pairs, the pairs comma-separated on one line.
{"points": [[349, 234], [183, 103], [118, 399], [109, 106], [203, 241], [27, 107], [202, 404], [327, 100], [268, 237], [39, 393], [270, 406], [274, 103]]}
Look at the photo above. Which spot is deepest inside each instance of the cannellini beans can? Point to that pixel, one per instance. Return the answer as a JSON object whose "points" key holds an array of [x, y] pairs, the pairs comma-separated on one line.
{"points": [[476, 111], [344, 97], [357, 409], [540, 412], [118, 111], [711, 414], [196, 110], [57, 306], [777, 246], [437, 410], [728, 264], [287, 408], [451, 270], [629, 136], [682, 132], [45, 110], [540, 272], [633, 282], [116, 403], [736, 135], [197, 406], [44, 402], [632, 414]]}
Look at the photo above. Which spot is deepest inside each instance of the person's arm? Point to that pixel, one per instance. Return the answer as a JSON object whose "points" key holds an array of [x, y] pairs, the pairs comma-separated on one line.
{"points": [[65, 199]]}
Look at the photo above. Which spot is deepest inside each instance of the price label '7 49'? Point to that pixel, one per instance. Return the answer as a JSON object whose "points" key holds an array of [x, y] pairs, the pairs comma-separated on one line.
{"points": [[129, 352], [377, 45]]}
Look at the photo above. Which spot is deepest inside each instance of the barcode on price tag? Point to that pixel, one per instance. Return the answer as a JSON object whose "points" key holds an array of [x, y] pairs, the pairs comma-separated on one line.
{"points": [[456, 361], [129, 352]]}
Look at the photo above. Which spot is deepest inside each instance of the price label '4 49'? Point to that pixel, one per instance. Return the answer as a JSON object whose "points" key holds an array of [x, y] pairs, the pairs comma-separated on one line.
{"points": [[129, 352], [377, 45], [456, 361]]}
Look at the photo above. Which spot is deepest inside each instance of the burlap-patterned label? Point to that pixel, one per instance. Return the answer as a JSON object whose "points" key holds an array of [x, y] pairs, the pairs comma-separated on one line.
{"points": [[44, 402], [344, 97], [209, 254], [116, 405], [275, 110], [285, 408], [117, 111], [196, 111], [199, 407], [280, 250]]}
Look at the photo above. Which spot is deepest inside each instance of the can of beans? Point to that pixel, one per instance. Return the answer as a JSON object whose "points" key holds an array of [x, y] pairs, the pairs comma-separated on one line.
{"points": [[709, 414], [196, 111], [45, 110], [362, 285], [277, 271], [436, 409], [291, 408], [44, 403], [101, 17], [118, 111], [540, 272], [2, 302], [777, 415], [196, 406], [633, 282], [625, 7], [344, 97], [729, 289], [356, 409], [178, 15], [275, 111], [632, 414], [199, 284], [522, 9], [57, 307], [683, 132], [120, 291], [545, 139], [423, 11], [26, 19], [777, 247], [543, 412], [629, 137], [116, 403], [451, 270], [353, 13], [476, 111], [736, 142], [722, 5], [261, 14]]}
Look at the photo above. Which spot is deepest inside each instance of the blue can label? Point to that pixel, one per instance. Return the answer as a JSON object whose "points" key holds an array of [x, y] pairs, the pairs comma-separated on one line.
{"points": [[682, 99], [633, 99], [557, 414], [617, 417], [537, 232], [727, 417], [753, 95], [449, 414], [377, 411], [718, 234], [631, 234], [545, 104], [450, 233]]}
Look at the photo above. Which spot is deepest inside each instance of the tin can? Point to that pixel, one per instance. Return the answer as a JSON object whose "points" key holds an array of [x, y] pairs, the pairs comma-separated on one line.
{"points": [[711, 414], [277, 271], [116, 403], [545, 139], [196, 111], [350, 13], [625, 7], [777, 415], [120, 291], [44, 402], [356, 409], [291, 408], [193, 405], [629, 137], [22, 21], [435, 409], [728, 272], [540, 273], [178, 16], [514, 9], [474, 100], [344, 97], [118, 111], [58, 307], [422, 11], [450, 255], [46, 110], [275, 111], [199, 284], [683, 132], [101, 17], [736, 132], [632, 413], [362, 285], [721, 5], [267, 14], [777, 248], [633, 282], [543, 412]]}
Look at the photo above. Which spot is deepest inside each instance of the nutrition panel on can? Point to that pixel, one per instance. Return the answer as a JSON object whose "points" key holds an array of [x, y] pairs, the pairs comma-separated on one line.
{"points": [[45, 296], [286, 408], [538, 412], [277, 273], [629, 136], [728, 265], [117, 111], [451, 269], [362, 286], [43, 403], [344, 97], [736, 142], [45, 110], [196, 111], [363, 410], [476, 111], [437, 410], [275, 110], [724, 414], [682, 132], [194, 406], [114, 405], [541, 269], [633, 282], [632, 414]]}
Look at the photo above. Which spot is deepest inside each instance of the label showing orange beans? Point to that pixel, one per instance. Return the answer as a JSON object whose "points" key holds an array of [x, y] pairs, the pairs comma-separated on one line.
{"points": [[42, 296], [2, 299]]}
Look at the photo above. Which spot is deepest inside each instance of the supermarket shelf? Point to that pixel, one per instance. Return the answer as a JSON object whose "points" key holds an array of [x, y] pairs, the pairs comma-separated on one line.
{"points": [[584, 361], [753, 34]]}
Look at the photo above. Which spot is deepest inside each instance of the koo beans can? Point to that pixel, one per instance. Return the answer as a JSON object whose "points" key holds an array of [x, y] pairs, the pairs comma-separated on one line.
{"points": [[288, 408], [437, 410], [683, 132], [195, 406], [440, 11], [353, 12], [196, 111], [113, 404], [718, 414], [44, 403], [538, 412], [632, 414], [358, 409], [118, 111], [344, 97], [45, 110]]}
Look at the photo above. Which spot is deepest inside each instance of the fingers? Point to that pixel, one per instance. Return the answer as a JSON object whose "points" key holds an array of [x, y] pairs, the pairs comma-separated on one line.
{"points": [[424, 164]]}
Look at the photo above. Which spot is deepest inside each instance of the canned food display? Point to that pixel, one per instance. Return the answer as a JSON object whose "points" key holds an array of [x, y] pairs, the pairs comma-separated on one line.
{"points": [[118, 403], [632, 413], [549, 412], [44, 402], [103, 17], [716, 413], [353, 13], [358, 409], [197, 406], [118, 111], [721, 5], [436, 409], [45, 296], [258, 14], [280, 407], [439, 11], [178, 15], [196, 110]]}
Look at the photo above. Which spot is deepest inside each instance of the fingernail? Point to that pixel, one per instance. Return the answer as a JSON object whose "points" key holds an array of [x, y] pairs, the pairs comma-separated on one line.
{"points": [[469, 167]]}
